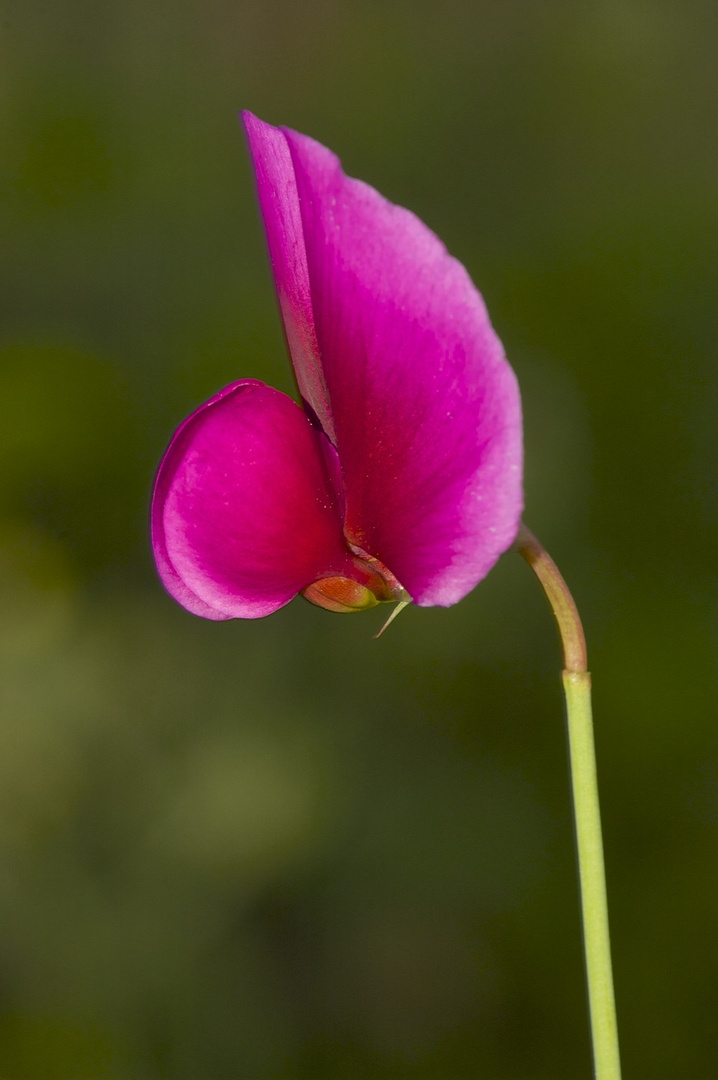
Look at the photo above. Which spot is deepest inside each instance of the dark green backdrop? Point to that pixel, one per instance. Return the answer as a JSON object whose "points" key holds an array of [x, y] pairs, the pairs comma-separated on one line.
{"points": [[282, 850]]}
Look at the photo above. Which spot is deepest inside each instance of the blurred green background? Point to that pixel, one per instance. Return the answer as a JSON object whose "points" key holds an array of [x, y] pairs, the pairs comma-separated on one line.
{"points": [[281, 850]]}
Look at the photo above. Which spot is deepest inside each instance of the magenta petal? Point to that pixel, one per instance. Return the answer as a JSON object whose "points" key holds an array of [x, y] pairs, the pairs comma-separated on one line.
{"points": [[243, 514], [426, 409], [279, 202]]}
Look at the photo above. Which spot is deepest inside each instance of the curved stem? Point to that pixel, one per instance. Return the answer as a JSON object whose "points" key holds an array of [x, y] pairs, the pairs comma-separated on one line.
{"points": [[559, 597], [594, 906]]}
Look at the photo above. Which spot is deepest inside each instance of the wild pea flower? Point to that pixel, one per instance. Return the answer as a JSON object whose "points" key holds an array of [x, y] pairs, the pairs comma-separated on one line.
{"points": [[401, 476]]}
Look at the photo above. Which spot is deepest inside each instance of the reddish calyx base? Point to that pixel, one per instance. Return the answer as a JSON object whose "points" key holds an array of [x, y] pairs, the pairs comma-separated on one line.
{"points": [[340, 594], [374, 584]]}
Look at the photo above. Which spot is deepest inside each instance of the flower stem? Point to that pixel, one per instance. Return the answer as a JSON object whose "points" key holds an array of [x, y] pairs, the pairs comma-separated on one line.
{"points": [[594, 906]]}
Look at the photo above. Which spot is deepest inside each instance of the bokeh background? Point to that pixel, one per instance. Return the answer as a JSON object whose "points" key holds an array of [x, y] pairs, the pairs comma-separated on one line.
{"points": [[281, 850]]}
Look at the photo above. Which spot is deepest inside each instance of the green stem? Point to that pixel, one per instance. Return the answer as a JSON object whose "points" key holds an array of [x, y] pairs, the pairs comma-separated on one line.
{"points": [[594, 906]]}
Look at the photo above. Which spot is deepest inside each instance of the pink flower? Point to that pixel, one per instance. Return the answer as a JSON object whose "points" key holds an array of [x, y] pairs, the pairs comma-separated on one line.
{"points": [[401, 476]]}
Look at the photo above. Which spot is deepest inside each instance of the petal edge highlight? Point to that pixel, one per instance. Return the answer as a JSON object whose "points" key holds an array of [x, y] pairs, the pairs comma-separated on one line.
{"points": [[279, 204]]}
